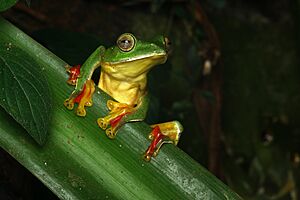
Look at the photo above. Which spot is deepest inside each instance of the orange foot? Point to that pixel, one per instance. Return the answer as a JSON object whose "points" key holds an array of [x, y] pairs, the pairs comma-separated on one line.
{"points": [[115, 119], [168, 132], [73, 74], [85, 97]]}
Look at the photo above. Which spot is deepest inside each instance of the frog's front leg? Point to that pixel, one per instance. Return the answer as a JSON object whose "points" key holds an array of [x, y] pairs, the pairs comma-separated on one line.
{"points": [[120, 113], [85, 87], [83, 99]]}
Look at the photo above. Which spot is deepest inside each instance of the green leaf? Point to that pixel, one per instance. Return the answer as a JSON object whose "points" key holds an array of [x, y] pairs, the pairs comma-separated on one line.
{"points": [[80, 162], [6, 4], [24, 90]]}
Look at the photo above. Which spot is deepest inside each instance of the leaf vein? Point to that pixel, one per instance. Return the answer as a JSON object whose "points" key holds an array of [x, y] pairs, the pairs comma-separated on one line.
{"points": [[25, 94]]}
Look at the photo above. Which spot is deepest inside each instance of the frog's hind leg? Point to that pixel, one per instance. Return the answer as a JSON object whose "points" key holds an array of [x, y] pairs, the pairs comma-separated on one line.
{"points": [[168, 132]]}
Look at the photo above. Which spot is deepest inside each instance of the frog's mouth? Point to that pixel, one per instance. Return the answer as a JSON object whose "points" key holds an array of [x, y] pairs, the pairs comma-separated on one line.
{"points": [[134, 67], [157, 58]]}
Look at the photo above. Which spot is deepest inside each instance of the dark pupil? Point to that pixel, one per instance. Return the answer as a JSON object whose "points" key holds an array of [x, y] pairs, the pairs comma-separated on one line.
{"points": [[125, 44]]}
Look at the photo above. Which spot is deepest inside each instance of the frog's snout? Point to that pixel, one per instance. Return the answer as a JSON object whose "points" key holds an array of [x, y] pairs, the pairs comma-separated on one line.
{"points": [[167, 44]]}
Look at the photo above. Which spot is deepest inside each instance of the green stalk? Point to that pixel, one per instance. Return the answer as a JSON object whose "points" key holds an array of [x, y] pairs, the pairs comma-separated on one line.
{"points": [[78, 161]]}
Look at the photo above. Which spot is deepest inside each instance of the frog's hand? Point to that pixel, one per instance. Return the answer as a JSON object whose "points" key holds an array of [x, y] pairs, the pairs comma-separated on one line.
{"points": [[73, 72], [164, 133], [120, 114], [85, 88]]}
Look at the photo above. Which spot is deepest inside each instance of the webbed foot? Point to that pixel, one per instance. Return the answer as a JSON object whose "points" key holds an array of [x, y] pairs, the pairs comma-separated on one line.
{"points": [[115, 119], [82, 98], [111, 133], [73, 74], [102, 123], [69, 104], [81, 112], [163, 133]]}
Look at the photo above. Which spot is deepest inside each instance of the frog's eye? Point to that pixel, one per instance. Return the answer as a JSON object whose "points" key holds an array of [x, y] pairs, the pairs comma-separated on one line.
{"points": [[126, 42]]}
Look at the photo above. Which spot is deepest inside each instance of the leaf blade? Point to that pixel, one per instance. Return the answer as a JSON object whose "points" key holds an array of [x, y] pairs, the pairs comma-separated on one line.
{"points": [[80, 162], [24, 91]]}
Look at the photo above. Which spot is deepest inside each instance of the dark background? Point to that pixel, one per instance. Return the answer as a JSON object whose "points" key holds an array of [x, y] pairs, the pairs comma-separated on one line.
{"points": [[232, 79]]}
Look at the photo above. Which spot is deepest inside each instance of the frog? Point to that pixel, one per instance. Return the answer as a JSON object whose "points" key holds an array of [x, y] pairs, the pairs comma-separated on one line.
{"points": [[123, 76]]}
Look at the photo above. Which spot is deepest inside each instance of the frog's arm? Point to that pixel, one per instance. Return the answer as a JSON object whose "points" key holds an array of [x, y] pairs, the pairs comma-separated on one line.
{"points": [[85, 88], [87, 70]]}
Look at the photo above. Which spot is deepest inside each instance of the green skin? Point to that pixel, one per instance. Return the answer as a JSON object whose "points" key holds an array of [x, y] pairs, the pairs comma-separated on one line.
{"points": [[116, 56], [123, 76]]}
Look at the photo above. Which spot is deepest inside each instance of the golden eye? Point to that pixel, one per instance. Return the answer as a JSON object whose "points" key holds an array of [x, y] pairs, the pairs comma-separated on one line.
{"points": [[126, 42]]}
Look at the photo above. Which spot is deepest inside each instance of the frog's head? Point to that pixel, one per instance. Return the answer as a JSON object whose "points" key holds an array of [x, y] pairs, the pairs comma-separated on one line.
{"points": [[132, 57]]}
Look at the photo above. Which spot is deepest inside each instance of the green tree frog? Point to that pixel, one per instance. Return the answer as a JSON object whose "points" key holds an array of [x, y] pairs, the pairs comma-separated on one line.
{"points": [[124, 69]]}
